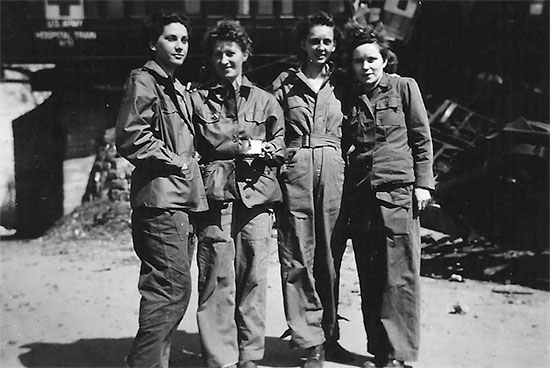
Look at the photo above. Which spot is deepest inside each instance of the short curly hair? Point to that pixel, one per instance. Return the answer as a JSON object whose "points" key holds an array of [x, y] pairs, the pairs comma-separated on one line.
{"points": [[357, 35], [227, 30], [304, 26]]}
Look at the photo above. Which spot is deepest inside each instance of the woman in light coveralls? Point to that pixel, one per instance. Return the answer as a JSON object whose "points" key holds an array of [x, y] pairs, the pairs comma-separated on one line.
{"points": [[311, 95]]}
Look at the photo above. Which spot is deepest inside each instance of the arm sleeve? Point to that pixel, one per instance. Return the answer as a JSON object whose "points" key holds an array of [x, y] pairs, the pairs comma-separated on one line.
{"points": [[419, 134], [275, 130], [138, 116]]}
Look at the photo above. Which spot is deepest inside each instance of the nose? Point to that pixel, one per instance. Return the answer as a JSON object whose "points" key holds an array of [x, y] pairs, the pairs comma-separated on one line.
{"points": [[179, 46], [366, 65], [224, 59]]}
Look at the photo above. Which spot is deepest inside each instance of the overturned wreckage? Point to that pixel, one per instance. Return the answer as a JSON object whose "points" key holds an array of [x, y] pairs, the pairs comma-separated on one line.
{"points": [[492, 194]]}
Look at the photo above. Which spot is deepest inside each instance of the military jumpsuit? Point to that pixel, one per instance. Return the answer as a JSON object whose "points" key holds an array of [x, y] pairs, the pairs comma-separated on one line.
{"points": [[235, 233], [312, 180], [390, 155]]}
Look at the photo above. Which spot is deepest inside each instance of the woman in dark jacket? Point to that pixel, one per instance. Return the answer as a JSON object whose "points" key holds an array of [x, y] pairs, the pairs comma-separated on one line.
{"points": [[154, 132], [390, 178]]}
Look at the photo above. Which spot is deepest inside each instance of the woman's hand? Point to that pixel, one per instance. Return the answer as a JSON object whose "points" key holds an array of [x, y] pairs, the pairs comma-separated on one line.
{"points": [[422, 197], [268, 150]]}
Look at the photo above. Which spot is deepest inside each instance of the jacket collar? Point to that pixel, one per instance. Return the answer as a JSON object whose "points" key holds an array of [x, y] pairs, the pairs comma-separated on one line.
{"points": [[154, 68], [384, 85], [219, 86]]}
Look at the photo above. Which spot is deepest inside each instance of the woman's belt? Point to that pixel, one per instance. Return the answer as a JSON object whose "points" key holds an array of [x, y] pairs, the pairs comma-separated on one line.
{"points": [[314, 141]]}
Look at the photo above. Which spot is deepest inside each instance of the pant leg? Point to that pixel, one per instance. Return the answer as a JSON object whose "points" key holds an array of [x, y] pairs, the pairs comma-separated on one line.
{"points": [[340, 236], [400, 309], [366, 230], [252, 234], [160, 240], [216, 263], [328, 184], [296, 245], [387, 246]]}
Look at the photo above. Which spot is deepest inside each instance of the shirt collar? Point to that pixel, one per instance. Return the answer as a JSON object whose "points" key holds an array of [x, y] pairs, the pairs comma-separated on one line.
{"points": [[245, 86], [153, 67], [383, 85]]}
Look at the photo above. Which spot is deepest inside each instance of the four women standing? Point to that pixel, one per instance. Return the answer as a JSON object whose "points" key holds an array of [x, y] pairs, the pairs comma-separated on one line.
{"points": [[241, 133]]}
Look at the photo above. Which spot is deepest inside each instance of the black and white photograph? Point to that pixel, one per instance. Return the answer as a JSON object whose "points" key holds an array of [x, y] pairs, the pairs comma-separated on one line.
{"points": [[274, 183]]}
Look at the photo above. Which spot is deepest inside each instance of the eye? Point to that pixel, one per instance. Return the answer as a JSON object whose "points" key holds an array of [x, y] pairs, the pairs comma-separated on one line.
{"points": [[314, 41], [171, 38]]}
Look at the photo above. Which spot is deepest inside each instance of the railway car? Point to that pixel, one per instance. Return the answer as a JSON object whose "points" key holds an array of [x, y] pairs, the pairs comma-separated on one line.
{"points": [[104, 38]]}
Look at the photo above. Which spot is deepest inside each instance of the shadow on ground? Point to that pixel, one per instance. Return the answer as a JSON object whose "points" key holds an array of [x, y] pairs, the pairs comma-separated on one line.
{"points": [[186, 352]]}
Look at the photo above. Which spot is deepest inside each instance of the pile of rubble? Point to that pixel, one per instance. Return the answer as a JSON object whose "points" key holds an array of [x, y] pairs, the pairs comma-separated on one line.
{"points": [[457, 259], [110, 175]]}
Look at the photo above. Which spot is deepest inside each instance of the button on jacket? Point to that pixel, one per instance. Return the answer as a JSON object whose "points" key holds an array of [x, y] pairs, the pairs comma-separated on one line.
{"points": [[390, 136], [225, 122], [312, 182], [154, 133], [391, 153]]}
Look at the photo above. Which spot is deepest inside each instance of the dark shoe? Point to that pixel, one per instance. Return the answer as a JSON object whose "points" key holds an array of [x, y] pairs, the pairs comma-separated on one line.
{"points": [[247, 364], [391, 363], [334, 352], [315, 357]]}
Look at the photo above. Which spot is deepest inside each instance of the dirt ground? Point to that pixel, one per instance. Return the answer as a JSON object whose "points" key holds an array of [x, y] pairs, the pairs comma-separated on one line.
{"points": [[74, 303]]}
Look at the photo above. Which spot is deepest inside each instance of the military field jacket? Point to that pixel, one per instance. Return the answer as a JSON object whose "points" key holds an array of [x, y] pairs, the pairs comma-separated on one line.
{"points": [[390, 136], [225, 121], [154, 132]]}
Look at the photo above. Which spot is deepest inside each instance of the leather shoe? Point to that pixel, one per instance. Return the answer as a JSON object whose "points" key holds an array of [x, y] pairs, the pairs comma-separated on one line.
{"points": [[387, 363], [315, 357], [247, 364], [334, 352]]}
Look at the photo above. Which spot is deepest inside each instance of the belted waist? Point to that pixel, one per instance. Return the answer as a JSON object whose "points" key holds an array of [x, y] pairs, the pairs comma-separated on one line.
{"points": [[314, 141]]}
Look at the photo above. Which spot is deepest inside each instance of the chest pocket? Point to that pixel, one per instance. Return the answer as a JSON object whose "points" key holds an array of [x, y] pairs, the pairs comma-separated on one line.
{"points": [[389, 111], [163, 117], [361, 127], [207, 117], [257, 118]]}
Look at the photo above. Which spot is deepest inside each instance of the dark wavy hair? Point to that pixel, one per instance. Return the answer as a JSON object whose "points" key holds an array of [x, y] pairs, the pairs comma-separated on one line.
{"points": [[154, 25], [227, 30], [357, 35], [304, 26]]}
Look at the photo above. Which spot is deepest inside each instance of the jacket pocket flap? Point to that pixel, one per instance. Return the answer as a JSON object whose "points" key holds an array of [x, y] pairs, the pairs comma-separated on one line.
{"points": [[252, 117], [392, 102], [207, 116]]}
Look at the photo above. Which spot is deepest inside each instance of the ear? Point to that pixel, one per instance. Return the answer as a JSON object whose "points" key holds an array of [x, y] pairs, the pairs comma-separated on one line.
{"points": [[152, 46], [385, 63], [245, 56]]}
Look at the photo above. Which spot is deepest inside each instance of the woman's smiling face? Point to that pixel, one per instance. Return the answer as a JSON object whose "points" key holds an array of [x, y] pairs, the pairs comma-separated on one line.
{"points": [[319, 44], [228, 59]]}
